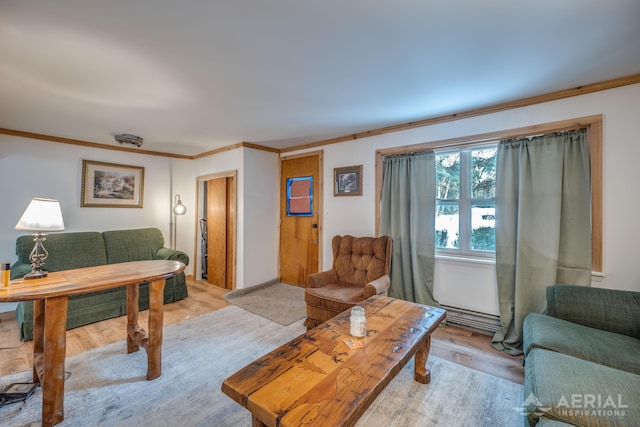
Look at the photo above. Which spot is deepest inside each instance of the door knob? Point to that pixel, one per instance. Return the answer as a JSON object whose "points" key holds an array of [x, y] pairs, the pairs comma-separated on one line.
{"points": [[314, 225]]}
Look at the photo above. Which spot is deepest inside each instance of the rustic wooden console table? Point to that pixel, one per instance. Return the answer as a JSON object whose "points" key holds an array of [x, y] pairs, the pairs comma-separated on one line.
{"points": [[318, 380], [50, 296]]}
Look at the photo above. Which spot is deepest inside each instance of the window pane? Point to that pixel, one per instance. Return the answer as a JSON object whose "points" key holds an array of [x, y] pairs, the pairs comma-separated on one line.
{"points": [[483, 226], [447, 225], [448, 176], [483, 173], [300, 196]]}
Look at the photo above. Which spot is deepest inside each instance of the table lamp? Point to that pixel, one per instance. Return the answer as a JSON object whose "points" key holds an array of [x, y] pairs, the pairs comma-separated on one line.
{"points": [[41, 215]]}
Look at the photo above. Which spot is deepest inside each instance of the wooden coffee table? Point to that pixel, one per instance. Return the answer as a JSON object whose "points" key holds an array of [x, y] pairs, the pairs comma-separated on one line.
{"points": [[50, 297], [318, 380]]}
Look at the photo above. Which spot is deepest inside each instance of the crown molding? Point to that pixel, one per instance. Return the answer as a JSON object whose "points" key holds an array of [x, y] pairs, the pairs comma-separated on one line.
{"points": [[553, 96]]}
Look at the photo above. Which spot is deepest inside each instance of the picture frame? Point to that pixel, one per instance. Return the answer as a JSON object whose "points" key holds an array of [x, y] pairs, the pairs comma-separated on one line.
{"points": [[110, 185], [347, 181]]}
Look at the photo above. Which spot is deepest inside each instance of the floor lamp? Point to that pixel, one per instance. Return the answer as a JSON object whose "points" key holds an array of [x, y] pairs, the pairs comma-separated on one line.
{"points": [[178, 209]]}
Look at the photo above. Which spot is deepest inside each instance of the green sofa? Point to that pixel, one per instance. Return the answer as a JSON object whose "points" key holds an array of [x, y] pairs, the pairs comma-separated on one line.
{"points": [[86, 249], [582, 358]]}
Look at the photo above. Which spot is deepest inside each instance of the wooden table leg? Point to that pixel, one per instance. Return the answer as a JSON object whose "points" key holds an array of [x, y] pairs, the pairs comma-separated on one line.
{"points": [[49, 365], [133, 329], [156, 319], [422, 374], [255, 422], [38, 339]]}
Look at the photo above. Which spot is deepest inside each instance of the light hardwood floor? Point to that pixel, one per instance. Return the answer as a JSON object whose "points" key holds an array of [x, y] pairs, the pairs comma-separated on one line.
{"points": [[448, 342]]}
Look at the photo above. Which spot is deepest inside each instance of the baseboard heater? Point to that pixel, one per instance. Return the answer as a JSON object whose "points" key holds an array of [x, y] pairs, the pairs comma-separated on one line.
{"points": [[473, 319]]}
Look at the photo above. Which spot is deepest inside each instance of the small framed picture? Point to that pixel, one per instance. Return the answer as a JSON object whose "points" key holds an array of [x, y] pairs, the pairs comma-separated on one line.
{"points": [[108, 185], [348, 181]]}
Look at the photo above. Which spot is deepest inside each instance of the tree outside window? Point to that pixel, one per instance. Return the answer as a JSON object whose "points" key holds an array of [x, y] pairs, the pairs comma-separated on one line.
{"points": [[465, 200]]}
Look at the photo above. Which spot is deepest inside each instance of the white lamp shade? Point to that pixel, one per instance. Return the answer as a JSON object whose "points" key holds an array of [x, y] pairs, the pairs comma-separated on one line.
{"points": [[41, 215]]}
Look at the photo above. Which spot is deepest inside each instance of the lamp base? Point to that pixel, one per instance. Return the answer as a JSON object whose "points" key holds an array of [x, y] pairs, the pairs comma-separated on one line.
{"points": [[37, 256], [35, 274]]}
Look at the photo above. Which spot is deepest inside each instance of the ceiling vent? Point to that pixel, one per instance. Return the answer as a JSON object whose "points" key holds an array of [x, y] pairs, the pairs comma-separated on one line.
{"points": [[126, 138]]}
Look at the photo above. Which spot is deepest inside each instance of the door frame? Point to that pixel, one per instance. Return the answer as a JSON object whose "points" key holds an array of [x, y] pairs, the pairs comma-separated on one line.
{"points": [[319, 198], [199, 197]]}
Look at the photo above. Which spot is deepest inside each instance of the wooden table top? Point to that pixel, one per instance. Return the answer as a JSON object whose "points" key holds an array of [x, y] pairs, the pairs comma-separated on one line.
{"points": [[317, 379], [89, 279]]}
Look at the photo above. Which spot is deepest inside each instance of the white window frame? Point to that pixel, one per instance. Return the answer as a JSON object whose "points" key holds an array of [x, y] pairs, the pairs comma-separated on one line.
{"points": [[465, 203]]}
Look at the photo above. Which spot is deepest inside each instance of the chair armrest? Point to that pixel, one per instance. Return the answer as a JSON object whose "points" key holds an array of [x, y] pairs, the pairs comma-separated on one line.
{"points": [[318, 280], [172, 254], [605, 309], [377, 287]]}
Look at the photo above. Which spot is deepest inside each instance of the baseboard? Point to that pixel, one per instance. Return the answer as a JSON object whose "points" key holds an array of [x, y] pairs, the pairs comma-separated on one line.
{"points": [[243, 291]]}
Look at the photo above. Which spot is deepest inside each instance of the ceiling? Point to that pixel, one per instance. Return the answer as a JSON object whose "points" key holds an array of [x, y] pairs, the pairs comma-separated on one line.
{"points": [[194, 76]]}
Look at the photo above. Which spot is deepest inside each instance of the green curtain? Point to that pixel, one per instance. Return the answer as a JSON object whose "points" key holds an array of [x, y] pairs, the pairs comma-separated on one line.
{"points": [[543, 225], [407, 215]]}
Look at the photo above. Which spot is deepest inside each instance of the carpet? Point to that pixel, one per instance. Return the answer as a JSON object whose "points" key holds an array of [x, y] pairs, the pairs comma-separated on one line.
{"points": [[276, 301], [107, 387]]}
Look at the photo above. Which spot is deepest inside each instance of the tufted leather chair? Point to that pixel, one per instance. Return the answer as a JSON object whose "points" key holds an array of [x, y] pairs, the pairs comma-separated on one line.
{"points": [[360, 270]]}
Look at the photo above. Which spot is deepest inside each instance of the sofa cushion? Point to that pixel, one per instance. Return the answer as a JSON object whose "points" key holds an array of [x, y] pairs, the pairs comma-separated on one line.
{"points": [[132, 245], [66, 250], [545, 422], [606, 348], [564, 388], [607, 309], [88, 249]]}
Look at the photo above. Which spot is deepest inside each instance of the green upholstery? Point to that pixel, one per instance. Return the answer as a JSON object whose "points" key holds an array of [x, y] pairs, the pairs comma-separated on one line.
{"points": [[607, 309], [66, 251], [125, 245], [595, 345], [579, 392], [85, 249], [145, 244], [545, 422], [585, 346]]}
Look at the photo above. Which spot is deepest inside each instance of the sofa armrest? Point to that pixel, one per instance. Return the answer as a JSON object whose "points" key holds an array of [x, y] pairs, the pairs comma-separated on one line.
{"points": [[605, 309], [172, 254], [377, 287], [19, 269], [318, 280]]}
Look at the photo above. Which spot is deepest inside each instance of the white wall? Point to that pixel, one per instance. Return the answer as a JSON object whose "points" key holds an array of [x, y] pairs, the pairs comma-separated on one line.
{"points": [[31, 168], [257, 210], [473, 286], [261, 217]]}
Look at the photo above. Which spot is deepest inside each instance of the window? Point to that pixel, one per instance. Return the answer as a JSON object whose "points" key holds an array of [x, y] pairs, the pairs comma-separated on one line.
{"points": [[465, 200], [593, 124]]}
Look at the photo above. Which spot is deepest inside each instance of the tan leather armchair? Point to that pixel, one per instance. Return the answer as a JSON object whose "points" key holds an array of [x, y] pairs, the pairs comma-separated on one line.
{"points": [[360, 270]]}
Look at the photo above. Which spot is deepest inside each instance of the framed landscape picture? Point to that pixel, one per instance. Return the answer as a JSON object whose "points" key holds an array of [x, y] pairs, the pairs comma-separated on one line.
{"points": [[108, 185], [348, 181]]}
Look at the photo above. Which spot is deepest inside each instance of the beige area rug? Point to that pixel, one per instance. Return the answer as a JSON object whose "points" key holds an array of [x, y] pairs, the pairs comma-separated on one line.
{"points": [[276, 301], [107, 387]]}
